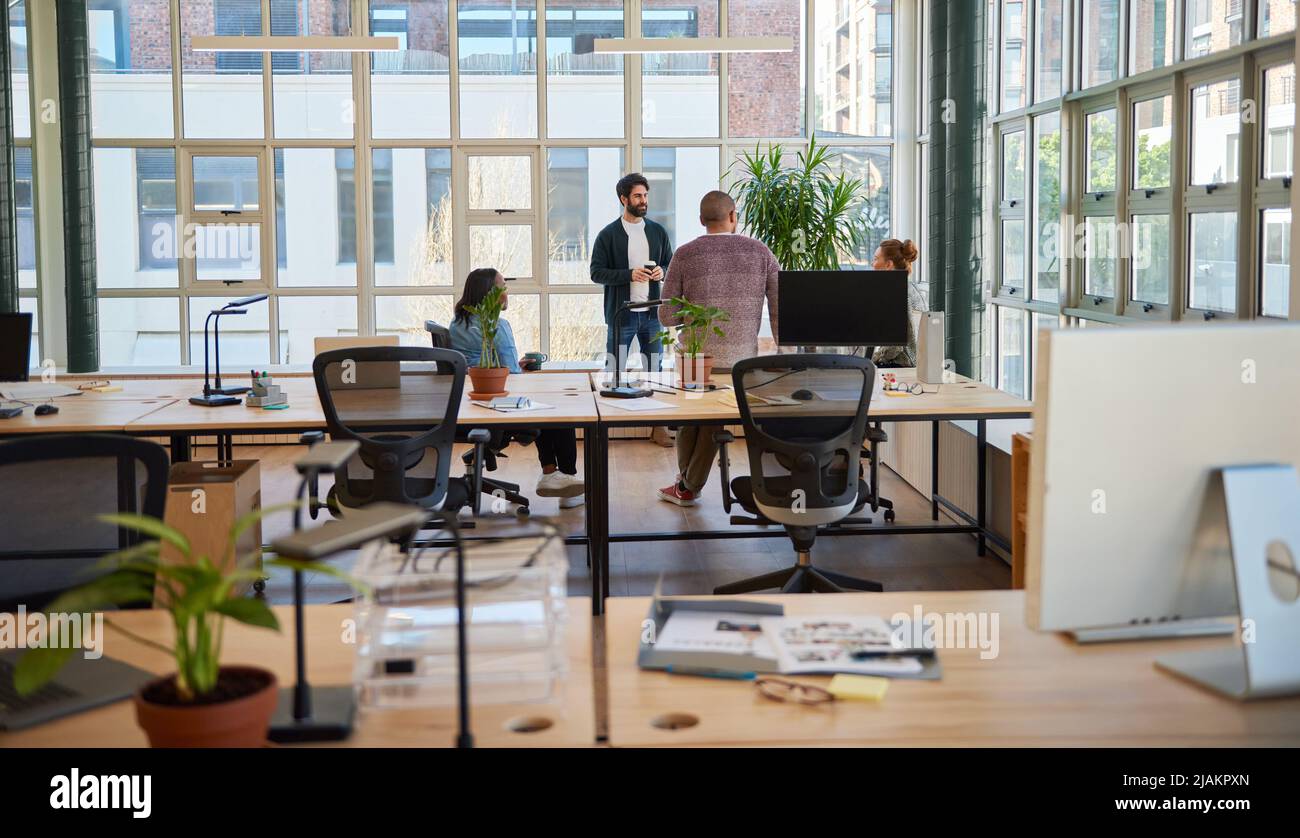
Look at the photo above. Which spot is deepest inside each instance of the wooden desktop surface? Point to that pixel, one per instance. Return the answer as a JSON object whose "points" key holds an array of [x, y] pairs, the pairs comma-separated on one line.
{"points": [[87, 413], [958, 399], [571, 712], [1042, 689]]}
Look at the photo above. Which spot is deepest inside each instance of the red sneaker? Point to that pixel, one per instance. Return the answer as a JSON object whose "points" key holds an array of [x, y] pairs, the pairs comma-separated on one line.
{"points": [[676, 494]]}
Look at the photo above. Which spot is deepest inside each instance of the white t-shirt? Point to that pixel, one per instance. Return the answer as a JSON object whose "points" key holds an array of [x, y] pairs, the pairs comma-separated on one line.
{"points": [[638, 253]]}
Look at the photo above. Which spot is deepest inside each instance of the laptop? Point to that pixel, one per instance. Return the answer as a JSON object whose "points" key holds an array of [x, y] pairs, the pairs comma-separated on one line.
{"points": [[80, 685]]}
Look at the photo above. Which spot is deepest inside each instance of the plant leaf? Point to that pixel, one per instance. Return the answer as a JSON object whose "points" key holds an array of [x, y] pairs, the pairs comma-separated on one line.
{"points": [[36, 668], [149, 526], [253, 612]]}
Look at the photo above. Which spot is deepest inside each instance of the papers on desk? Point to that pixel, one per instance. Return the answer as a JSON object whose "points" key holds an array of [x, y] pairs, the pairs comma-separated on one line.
{"points": [[27, 390], [636, 405], [522, 405]]}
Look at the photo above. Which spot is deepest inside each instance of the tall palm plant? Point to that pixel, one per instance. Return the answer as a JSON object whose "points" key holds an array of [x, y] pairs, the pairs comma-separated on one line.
{"points": [[811, 214]]}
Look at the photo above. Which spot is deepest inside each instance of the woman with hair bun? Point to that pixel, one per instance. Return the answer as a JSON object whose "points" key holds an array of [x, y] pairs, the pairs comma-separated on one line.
{"points": [[895, 255]]}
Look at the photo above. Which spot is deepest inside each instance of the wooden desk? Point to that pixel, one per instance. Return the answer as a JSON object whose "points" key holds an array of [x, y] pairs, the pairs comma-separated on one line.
{"points": [[571, 712], [1041, 690], [87, 413]]}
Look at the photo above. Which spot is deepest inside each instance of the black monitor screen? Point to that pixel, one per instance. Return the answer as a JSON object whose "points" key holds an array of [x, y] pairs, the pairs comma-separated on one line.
{"points": [[15, 346], [842, 308]]}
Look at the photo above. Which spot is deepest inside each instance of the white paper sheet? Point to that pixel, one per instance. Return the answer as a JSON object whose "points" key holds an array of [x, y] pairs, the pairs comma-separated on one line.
{"points": [[636, 405]]}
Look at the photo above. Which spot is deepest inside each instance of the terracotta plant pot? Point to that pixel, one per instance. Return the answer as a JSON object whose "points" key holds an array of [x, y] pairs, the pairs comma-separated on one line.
{"points": [[694, 369], [488, 383], [240, 722]]}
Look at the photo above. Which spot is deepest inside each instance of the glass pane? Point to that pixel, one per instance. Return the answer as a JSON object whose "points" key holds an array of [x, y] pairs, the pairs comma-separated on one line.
{"points": [[764, 89], [1213, 25], [1100, 41], [130, 47], [1153, 133], [1101, 151], [221, 91], [1014, 27], [410, 90], [577, 323], [1150, 260], [135, 218], [497, 41], [1275, 257], [18, 69], [405, 316], [1213, 264], [1279, 119], [678, 210], [1047, 206], [1012, 363], [312, 91], [144, 331], [245, 338], [500, 182], [227, 251], [315, 218], [1013, 166], [1216, 132], [1151, 34], [523, 313], [1013, 254], [584, 91], [225, 184], [873, 166], [24, 194], [1275, 17], [1048, 25], [854, 69], [1100, 251], [30, 305], [412, 224], [303, 319], [580, 200], [506, 247], [679, 90]]}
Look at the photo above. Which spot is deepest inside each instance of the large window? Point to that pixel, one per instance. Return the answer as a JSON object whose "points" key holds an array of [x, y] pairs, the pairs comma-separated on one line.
{"points": [[1100, 41], [1014, 67], [854, 69]]}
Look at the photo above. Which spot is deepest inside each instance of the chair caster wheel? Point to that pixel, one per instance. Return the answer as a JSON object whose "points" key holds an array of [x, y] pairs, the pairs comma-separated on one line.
{"points": [[889, 516], [523, 512], [259, 586]]}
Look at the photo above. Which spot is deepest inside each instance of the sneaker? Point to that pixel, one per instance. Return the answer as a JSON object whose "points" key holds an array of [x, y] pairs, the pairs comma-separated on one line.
{"points": [[557, 484], [576, 500], [678, 494], [662, 437]]}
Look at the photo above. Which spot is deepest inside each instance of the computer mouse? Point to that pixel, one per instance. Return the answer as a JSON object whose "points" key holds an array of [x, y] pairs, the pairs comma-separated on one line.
{"points": [[802, 395], [46, 410]]}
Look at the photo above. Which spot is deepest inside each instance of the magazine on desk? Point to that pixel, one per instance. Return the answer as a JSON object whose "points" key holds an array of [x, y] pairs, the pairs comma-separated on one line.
{"points": [[752, 637]]}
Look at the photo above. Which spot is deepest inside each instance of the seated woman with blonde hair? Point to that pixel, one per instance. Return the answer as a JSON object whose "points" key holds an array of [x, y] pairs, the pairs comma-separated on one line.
{"points": [[895, 255]]}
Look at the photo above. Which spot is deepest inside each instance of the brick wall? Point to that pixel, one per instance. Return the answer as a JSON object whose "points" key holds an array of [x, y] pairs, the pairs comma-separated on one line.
{"points": [[764, 97]]}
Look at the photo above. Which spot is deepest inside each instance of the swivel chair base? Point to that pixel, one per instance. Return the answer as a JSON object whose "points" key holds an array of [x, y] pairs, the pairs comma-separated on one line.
{"points": [[802, 578]]}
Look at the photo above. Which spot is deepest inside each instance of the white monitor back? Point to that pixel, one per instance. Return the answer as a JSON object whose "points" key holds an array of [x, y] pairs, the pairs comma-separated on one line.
{"points": [[1129, 426]]}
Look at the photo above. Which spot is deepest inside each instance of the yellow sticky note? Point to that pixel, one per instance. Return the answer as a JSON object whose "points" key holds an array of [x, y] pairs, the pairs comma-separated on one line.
{"points": [[858, 687], [108, 389]]}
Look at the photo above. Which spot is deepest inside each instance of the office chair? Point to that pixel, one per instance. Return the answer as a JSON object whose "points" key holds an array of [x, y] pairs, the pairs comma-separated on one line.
{"points": [[876, 436], [52, 490], [394, 402], [501, 439], [803, 458]]}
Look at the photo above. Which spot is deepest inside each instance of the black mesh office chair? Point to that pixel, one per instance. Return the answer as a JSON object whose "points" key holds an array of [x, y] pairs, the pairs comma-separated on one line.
{"points": [[501, 439], [805, 417], [52, 490], [394, 402]]}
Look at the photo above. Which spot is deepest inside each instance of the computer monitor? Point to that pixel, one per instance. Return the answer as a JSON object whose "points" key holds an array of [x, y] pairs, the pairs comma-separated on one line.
{"points": [[15, 345], [1130, 425], [842, 308]]}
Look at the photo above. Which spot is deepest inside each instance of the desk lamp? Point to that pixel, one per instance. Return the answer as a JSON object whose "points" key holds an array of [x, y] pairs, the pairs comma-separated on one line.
{"points": [[215, 396], [625, 392]]}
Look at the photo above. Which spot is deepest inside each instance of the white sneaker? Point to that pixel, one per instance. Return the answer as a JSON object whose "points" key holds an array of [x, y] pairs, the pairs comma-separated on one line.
{"points": [[576, 500], [557, 484]]}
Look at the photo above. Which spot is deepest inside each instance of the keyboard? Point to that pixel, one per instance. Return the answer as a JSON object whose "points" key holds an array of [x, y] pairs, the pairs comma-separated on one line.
{"points": [[12, 702]]}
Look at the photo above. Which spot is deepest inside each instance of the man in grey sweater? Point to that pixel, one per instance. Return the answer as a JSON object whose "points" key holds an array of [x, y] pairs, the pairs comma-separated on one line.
{"points": [[735, 273]]}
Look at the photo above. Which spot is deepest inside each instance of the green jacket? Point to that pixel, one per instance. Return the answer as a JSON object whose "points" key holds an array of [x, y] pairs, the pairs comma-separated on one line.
{"points": [[609, 263]]}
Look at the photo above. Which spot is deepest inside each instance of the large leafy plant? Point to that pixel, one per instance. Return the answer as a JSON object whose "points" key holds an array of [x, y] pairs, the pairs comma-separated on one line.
{"points": [[198, 595], [812, 215], [699, 322], [488, 312]]}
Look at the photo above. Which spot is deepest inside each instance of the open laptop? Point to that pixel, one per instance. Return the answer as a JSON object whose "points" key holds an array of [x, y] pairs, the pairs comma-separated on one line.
{"points": [[81, 685]]}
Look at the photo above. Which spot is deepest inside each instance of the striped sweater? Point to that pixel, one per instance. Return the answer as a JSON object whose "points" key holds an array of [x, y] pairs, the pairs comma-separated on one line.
{"points": [[730, 271]]}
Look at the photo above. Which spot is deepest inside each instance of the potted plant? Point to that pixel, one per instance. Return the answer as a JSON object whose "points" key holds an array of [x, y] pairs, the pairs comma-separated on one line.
{"points": [[811, 214], [488, 376], [698, 323], [202, 704]]}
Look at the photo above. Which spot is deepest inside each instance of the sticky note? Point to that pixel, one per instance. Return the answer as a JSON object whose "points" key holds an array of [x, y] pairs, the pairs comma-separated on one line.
{"points": [[858, 687], [108, 389]]}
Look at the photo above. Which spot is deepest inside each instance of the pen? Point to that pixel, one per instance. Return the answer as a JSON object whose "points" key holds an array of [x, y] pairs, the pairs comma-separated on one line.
{"points": [[890, 654], [711, 673]]}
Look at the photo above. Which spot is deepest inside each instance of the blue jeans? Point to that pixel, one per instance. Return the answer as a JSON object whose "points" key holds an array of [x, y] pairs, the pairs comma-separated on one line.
{"points": [[644, 325]]}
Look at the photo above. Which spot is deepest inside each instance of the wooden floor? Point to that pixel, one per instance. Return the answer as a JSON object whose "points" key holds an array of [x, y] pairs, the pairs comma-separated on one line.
{"points": [[637, 469]]}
